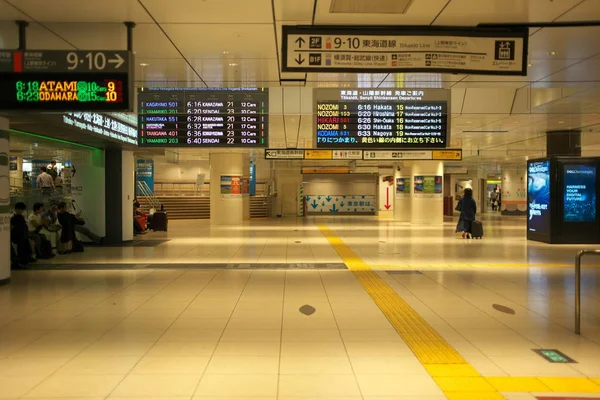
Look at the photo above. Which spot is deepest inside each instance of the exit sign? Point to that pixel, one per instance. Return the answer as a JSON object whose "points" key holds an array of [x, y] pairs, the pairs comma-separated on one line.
{"points": [[555, 356]]}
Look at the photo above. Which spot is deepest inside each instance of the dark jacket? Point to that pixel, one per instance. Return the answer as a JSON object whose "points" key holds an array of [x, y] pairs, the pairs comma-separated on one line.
{"points": [[468, 208], [18, 228]]}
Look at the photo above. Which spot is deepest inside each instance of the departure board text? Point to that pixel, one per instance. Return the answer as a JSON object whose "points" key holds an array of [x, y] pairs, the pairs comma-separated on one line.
{"points": [[381, 118], [175, 117]]}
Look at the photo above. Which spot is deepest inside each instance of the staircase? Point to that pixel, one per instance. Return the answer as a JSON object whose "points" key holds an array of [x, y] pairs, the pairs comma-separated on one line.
{"points": [[260, 207], [198, 207]]}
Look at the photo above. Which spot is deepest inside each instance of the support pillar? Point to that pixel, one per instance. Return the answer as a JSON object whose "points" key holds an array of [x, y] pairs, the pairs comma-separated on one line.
{"points": [[427, 193], [403, 197], [4, 203], [119, 195], [563, 143], [229, 179], [514, 190]]}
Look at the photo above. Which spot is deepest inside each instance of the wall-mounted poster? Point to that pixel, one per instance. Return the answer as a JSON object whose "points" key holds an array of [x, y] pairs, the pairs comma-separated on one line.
{"points": [[231, 186], [579, 193], [538, 193], [430, 185], [402, 187]]}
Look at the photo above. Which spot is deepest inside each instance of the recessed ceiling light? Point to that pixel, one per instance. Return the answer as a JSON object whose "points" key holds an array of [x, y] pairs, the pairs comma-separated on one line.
{"points": [[552, 53], [144, 64], [560, 122], [225, 52], [529, 65], [232, 64]]}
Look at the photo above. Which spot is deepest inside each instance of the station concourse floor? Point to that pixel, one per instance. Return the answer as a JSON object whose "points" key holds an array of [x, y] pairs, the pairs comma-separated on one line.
{"points": [[303, 309]]}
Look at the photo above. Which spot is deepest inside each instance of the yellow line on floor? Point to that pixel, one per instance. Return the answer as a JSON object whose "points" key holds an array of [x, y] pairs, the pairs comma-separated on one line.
{"points": [[452, 373], [429, 347], [464, 265]]}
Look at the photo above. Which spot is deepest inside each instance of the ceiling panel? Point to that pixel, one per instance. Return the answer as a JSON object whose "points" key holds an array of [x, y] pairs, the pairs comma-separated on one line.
{"points": [[40, 38], [10, 13], [584, 71], [82, 10], [565, 43], [238, 40], [294, 10], [471, 13], [421, 12], [149, 41], [9, 36], [211, 11], [588, 10]]}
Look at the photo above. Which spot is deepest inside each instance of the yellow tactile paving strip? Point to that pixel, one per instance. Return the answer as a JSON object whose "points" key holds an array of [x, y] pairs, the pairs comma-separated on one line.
{"points": [[465, 265], [457, 379]]}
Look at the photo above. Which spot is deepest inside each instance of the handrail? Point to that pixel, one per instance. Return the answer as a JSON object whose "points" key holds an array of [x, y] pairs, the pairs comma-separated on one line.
{"points": [[145, 190], [580, 254]]}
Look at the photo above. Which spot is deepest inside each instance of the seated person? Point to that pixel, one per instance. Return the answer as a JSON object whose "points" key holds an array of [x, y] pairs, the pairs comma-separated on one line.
{"points": [[138, 229], [66, 220], [42, 246], [85, 231], [52, 228], [19, 236]]}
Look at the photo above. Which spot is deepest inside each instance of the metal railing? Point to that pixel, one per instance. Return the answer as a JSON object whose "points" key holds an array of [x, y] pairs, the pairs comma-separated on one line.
{"points": [[580, 254], [145, 191]]}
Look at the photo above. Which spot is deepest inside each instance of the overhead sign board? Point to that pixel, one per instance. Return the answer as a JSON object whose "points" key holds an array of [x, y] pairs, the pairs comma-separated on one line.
{"points": [[381, 118], [490, 51], [373, 155], [318, 154], [398, 155], [102, 124], [56, 80], [451, 154], [284, 154], [347, 154], [203, 117]]}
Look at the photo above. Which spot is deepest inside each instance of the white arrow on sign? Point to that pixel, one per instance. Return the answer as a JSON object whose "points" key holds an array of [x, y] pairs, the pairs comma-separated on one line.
{"points": [[117, 61]]}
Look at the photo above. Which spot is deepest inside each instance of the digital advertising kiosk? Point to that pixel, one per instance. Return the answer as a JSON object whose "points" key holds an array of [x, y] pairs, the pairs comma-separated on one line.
{"points": [[562, 205]]}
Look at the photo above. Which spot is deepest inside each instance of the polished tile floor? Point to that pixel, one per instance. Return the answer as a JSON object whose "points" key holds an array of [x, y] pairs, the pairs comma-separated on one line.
{"points": [[240, 334]]}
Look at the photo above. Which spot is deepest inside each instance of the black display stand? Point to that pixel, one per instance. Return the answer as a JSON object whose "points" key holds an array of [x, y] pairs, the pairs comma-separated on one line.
{"points": [[562, 200]]}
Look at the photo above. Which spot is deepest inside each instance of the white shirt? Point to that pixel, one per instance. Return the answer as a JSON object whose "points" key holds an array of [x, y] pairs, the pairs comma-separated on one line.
{"points": [[34, 221], [44, 180]]}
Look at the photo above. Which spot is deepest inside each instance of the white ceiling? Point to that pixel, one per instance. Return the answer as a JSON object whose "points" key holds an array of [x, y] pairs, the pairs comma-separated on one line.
{"points": [[237, 43]]}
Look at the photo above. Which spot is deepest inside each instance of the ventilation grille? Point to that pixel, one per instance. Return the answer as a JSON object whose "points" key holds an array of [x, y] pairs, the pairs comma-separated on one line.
{"points": [[370, 6]]}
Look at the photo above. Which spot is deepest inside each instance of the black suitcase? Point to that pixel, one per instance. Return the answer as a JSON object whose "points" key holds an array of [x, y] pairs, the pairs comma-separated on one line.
{"points": [[477, 229], [160, 221]]}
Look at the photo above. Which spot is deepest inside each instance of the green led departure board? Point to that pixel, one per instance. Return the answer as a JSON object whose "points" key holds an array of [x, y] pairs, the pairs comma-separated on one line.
{"points": [[64, 81]]}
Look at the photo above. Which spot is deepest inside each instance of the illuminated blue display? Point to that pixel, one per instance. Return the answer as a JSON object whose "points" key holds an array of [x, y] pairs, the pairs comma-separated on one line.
{"points": [[579, 193], [538, 194]]}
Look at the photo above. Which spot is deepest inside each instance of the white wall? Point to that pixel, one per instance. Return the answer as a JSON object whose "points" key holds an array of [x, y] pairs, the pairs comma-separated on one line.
{"points": [[227, 210], [128, 193], [427, 209], [184, 171], [87, 189], [290, 178], [340, 184]]}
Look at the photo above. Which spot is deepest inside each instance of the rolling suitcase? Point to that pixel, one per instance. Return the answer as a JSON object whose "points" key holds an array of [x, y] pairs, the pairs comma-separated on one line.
{"points": [[477, 229], [160, 221]]}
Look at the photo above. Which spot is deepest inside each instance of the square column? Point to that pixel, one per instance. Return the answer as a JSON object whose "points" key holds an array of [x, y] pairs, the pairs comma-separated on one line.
{"points": [[427, 193], [229, 187], [4, 203], [119, 195]]}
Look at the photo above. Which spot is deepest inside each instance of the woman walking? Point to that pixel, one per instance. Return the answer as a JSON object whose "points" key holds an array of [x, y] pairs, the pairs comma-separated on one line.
{"points": [[468, 209]]}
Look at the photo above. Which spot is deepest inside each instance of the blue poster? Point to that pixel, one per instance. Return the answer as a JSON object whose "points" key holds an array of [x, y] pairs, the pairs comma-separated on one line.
{"points": [[538, 194], [145, 173], [579, 193], [252, 189]]}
